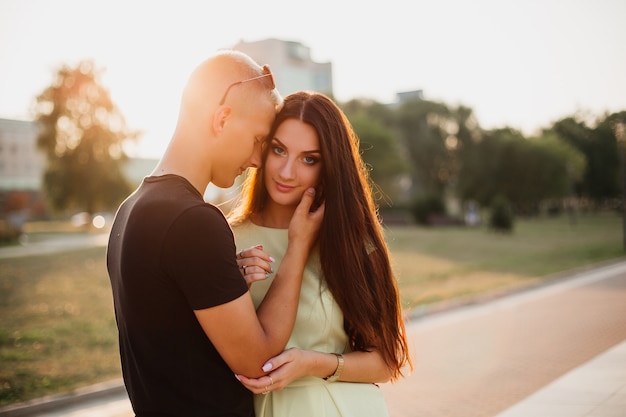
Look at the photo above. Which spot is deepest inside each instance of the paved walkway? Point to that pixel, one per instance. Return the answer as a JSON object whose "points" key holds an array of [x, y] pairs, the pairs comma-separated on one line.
{"points": [[55, 244], [554, 351]]}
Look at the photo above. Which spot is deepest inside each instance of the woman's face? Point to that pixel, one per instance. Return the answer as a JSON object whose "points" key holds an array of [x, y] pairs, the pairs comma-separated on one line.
{"points": [[293, 163]]}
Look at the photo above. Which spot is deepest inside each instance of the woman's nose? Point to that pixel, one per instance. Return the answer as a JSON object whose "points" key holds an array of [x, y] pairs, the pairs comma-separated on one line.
{"points": [[287, 169]]}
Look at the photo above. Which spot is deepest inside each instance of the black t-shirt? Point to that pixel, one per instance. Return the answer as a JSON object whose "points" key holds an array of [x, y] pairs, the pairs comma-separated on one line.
{"points": [[171, 253]]}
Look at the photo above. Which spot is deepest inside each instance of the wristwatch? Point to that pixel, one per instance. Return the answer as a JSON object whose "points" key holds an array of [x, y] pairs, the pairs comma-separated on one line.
{"points": [[337, 373]]}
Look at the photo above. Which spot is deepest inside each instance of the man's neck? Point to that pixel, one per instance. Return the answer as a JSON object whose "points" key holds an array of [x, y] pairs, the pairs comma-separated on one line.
{"points": [[169, 165]]}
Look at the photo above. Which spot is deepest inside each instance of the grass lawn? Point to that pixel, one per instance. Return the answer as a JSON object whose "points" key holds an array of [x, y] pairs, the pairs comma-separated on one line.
{"points": [[57, 327], [437, 264]]}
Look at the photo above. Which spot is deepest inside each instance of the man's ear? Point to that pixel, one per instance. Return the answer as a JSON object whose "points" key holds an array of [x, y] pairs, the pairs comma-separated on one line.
{"points": [[220, 117]]}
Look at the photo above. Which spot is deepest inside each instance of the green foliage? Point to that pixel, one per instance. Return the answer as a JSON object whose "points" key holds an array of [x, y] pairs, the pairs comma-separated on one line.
{"points": [[526, 171], [82, 135], [371, 110], [57, 331], [381, 154], [601, 179], [447, 152], [501, 216], [423, 127]]}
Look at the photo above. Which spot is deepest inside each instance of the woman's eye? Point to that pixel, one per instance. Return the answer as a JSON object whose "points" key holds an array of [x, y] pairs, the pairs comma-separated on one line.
{"points": [[278, 150], [309, 160]]}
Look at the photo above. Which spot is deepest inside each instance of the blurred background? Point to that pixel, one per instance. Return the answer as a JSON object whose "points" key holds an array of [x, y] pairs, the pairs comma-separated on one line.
{"points": [[434, 89], [494, 131]]}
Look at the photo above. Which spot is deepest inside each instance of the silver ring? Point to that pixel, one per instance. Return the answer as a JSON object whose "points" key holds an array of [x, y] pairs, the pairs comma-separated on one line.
{"points": [[271, 381], [244, 269]]}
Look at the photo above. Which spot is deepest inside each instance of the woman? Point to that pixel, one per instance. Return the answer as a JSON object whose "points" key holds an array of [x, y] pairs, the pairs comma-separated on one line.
{"points": [[349, 333]]}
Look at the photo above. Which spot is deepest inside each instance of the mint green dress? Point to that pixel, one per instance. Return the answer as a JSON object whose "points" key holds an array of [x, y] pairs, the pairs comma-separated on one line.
{"points": [[319, 326]]}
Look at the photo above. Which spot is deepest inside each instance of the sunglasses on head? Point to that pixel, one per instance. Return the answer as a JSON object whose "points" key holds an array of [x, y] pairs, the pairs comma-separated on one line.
{"points": [[265, 73]]}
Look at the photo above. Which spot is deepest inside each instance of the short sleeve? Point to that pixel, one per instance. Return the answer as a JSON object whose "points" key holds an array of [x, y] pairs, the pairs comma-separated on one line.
{"points": [[199, 256]]}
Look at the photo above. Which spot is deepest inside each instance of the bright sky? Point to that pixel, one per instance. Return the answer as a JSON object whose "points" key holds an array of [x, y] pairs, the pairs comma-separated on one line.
{"points": [[521, 63]]}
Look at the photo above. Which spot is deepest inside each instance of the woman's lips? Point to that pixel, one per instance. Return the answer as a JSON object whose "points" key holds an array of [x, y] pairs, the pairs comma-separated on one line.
{"points": [[282, 187]]}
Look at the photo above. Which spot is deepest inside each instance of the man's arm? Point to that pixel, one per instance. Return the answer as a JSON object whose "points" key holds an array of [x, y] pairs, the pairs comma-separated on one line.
{"points": [[245, 338]]}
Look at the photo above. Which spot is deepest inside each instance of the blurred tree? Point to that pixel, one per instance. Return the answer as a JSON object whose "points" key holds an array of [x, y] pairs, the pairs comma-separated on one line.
{"points": [[460, 142], [424, 127], [524, 171], [482, 162], [428, 139], [82, 136], [600, 181], [606, 181], [447, 152], [370, 109], [379, 148], [468, 131]]}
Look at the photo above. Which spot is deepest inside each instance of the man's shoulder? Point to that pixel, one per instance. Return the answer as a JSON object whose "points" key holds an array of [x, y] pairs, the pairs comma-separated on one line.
{"points": [[162, 200], [169, 191]]}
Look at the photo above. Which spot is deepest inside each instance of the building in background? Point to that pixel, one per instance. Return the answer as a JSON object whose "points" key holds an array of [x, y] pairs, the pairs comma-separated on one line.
{"points": [[291, 64], [21, 165], [405, 96]]}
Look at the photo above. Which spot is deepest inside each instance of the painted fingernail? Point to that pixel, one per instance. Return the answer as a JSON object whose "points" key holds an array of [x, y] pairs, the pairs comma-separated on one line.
{"points": [[268, 366], [272, 259]]}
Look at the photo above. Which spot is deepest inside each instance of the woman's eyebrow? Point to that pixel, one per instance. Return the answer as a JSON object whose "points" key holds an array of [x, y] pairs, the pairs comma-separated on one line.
{"points": [[282, 145]]}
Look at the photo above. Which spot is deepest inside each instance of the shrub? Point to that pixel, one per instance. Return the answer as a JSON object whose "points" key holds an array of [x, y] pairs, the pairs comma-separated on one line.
{"points": [[426, 206], [501, 214]]}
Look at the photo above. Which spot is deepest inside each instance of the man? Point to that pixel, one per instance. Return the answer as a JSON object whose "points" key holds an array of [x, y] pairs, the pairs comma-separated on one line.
{"points": [[186, 321]]}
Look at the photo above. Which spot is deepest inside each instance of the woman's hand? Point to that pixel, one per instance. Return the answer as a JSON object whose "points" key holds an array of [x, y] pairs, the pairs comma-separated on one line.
{"points": [[255, 264], [291, 364], [288, 366], [305, 224]]}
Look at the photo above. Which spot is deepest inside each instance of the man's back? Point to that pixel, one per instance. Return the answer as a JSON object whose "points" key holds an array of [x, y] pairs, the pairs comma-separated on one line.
{"points": [[171, 253]]}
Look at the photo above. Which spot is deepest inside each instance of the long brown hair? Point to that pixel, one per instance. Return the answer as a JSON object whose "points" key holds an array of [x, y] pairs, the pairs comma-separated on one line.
{"points": [[353, 252]]}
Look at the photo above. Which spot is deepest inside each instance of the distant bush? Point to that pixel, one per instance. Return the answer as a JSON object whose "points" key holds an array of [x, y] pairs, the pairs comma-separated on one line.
{"points": [[426, 207], [501, 214]]}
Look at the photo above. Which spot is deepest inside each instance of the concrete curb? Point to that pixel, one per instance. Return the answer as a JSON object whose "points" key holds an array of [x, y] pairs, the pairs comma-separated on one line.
{"points": [[55, 402]]}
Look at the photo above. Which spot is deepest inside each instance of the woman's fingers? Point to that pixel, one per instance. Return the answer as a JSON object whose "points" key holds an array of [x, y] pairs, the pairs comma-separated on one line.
{"points": [[261, 385], [254, 273], [255, 264]]}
